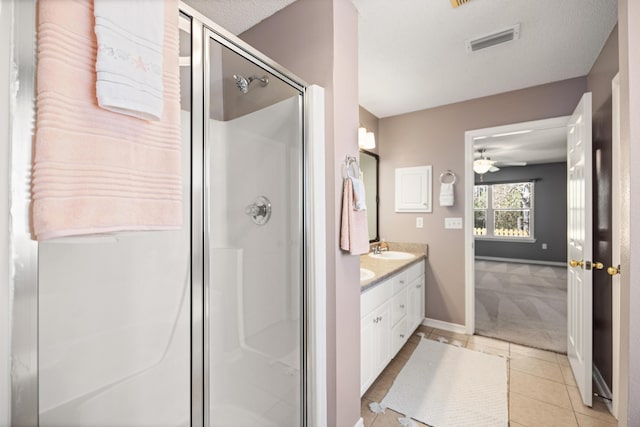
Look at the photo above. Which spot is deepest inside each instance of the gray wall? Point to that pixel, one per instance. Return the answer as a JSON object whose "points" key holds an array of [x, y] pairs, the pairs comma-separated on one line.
{"points": [[318, 41], [436, 137], [550, 214]]}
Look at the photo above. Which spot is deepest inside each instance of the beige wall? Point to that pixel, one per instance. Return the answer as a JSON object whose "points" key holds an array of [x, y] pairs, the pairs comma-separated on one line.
{"points": [[317, 40], [629, 38], [603, 71], [436, 137], [368, 120]]}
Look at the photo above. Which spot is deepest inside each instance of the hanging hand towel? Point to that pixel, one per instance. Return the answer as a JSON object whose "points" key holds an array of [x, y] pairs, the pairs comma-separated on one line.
{"points": [[354, 230], [129, 60], [94, 170], [446, 194]]}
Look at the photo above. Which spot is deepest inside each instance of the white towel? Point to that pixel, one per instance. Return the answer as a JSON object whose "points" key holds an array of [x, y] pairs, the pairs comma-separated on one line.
{"points": [[359, 200], [129, 59], [446, 194]]}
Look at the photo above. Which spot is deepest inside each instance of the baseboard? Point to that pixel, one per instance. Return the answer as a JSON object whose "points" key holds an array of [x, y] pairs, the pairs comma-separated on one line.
{"points": [[445, 326], [360, 423], [602, 388], [521, 261]]}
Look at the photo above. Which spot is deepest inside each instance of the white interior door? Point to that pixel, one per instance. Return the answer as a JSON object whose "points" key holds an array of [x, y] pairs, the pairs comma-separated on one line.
{"points": [[579, 247]]}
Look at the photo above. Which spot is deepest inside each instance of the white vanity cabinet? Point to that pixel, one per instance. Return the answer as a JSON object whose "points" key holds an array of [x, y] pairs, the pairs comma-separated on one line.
{"points": [[390, 312]]}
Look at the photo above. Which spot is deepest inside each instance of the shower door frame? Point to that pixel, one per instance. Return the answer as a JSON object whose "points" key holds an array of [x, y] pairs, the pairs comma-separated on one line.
{"points": [[313, 303], [23, 265]]}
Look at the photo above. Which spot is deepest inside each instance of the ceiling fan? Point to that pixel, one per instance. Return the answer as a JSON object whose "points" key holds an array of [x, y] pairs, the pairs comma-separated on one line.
{"points": [[483, 164]]}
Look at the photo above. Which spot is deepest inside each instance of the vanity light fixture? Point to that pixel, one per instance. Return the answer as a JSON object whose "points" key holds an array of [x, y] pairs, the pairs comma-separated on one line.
{"points": [[366, 140]]}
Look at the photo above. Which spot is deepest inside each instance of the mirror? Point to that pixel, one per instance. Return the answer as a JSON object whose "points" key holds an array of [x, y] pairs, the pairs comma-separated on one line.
{"points": [[369, 167]]}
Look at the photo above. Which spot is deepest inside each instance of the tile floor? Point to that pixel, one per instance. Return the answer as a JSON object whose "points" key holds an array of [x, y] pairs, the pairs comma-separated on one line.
{"points": [[542, 391]]}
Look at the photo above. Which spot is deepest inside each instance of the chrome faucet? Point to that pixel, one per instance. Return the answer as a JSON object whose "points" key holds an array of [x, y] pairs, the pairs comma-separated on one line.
{"points": [[382, 246]]}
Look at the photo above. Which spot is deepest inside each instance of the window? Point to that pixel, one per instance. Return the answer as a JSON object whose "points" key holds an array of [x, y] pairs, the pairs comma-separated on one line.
{"points": [[503, 211]]}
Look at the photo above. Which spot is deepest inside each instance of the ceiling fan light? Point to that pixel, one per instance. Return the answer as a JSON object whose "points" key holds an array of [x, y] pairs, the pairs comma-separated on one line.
{"points": [[481, 166]]}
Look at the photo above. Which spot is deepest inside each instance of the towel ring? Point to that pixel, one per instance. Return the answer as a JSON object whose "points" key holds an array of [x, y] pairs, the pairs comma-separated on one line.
{"points": [[445, 174], [350, 168]]}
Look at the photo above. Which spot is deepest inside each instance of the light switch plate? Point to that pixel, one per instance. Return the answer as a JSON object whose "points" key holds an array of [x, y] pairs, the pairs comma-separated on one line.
{"points": [[453, 223], [419, 222]]}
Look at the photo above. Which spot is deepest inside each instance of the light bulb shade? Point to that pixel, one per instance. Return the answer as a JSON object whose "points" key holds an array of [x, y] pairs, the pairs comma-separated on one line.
{"points": [[481, 166], [366, 140]]}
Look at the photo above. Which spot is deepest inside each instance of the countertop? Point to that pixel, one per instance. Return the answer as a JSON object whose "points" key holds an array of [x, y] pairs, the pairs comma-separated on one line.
{"points": [[385, 268]]}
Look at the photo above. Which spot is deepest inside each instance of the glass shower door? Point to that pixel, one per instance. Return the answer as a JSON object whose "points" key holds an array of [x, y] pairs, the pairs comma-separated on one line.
{"points": [[253, 242], [114, 312]]}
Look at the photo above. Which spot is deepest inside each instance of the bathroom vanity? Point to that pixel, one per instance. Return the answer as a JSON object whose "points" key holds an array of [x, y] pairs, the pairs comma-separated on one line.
{"points": [[391, 308]]}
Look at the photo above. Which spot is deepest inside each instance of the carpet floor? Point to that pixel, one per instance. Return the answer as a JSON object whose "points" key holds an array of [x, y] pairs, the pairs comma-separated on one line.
{"points": [[522, 303]]}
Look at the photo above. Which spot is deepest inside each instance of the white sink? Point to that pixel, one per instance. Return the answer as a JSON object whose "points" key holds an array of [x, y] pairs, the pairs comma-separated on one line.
{"points": [[392, 255], [366, 274]]}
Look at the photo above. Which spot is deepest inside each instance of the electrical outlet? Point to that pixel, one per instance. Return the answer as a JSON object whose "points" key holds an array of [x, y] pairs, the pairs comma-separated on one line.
{"points": [[419, 222], [544, 246], [453, 223]]}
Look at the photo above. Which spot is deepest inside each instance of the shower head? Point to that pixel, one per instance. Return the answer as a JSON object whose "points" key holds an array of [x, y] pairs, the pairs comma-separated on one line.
{"points": [[244, 82]]}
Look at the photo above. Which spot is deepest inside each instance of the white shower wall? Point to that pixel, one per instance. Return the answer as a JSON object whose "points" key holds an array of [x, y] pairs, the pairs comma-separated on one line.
{"points": [[258, 154], [114, 326], [255, 270]]}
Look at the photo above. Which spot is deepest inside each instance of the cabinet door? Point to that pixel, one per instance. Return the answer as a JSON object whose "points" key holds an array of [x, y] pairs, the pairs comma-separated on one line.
{"points": [[367, 351], [383, 335], [416, 303], [413, 189]]}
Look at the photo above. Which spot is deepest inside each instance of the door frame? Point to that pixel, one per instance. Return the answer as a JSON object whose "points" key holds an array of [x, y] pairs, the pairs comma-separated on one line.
{"points": [[616, 239], [469, 180]]}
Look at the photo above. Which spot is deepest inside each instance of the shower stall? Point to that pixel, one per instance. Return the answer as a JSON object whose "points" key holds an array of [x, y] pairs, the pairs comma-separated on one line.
{"points": [[219, 323]]}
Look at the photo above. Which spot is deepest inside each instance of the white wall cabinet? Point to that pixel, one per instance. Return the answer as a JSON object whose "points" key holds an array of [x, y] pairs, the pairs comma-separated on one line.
{"points": [[413, 189], [390, 312]]}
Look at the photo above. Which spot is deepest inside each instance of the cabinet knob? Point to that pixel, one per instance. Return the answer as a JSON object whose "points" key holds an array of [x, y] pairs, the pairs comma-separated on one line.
{"points": [[401, 335], [418, 286], [402, 282], [401, 305]]}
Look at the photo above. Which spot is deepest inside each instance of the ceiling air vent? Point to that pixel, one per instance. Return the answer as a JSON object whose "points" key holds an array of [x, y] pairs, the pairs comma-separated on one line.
{"points": [[510, 34], [456, 3]]}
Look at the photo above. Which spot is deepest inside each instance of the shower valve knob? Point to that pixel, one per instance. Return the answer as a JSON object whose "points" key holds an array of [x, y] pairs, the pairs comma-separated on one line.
{"points": [[259, 210]]}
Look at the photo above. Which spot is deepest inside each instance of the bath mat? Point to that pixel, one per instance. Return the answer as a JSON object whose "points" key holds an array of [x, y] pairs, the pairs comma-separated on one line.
{"points": [[446, 386]]}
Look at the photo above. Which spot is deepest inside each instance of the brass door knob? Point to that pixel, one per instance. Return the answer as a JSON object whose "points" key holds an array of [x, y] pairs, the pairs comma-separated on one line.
{"points": [[613, 270], [597, 265], [573, 263]]}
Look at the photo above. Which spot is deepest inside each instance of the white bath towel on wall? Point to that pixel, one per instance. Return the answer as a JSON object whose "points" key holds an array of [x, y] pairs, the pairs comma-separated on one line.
{"points": [[129, 58], [446, 194]]}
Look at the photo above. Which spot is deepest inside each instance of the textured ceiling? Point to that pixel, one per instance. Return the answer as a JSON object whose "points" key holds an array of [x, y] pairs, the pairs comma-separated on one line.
{"points": [[237, 16], [413, 54]]}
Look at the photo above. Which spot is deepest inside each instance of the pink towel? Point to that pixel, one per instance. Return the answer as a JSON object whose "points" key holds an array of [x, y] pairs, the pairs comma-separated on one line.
{"points": [[94, 170], [354, 230]]}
